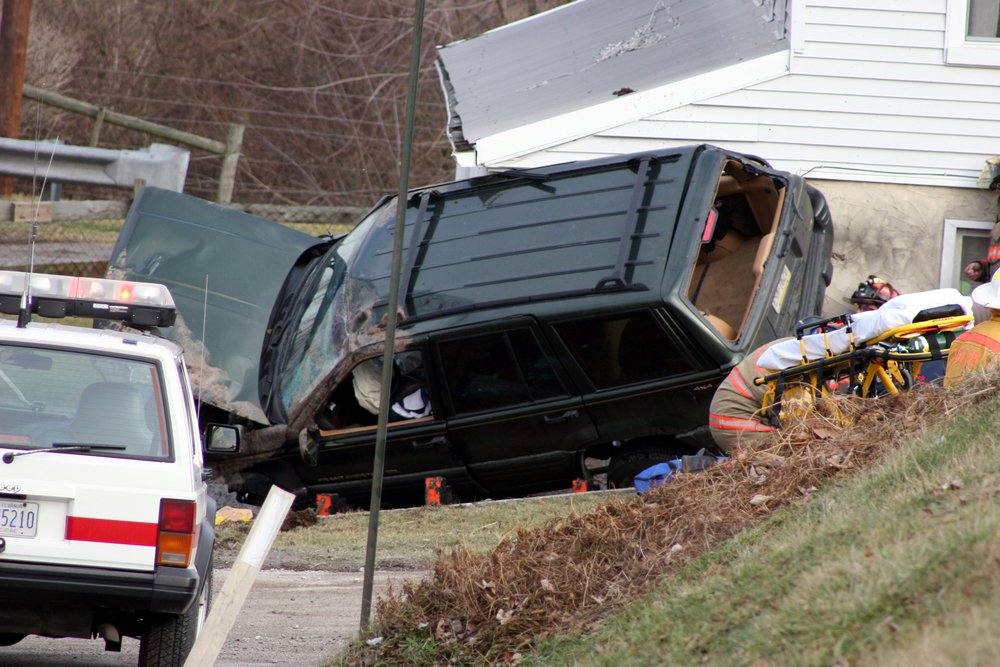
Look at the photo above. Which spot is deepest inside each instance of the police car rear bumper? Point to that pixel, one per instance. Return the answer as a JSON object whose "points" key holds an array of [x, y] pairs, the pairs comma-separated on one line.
{"points": [[165, 590]]}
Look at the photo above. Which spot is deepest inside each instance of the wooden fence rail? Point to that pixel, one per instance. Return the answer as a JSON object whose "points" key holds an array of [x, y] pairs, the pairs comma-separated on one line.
{"points": [[228, 149]]}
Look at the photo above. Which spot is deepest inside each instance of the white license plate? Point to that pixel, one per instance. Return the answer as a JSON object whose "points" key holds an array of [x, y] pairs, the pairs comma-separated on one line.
{"points": [[18, 518]]}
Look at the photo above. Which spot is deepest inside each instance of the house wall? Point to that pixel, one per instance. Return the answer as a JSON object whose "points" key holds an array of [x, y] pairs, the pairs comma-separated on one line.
{"points": [[894, 231], [896, 137]]}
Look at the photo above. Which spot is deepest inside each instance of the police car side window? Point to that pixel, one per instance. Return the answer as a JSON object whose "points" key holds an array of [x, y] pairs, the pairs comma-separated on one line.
{"points": [[622, 349], [497, 370]]}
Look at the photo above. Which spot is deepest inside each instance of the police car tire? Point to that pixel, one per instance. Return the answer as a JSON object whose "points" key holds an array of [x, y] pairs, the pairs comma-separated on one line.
{"points": [[167, 639]]}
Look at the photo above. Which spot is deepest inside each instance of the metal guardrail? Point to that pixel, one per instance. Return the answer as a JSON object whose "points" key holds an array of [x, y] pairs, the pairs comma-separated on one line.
{"points": [[160, 165]]}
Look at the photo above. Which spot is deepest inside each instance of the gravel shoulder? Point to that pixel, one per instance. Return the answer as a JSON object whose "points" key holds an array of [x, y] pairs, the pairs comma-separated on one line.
{"points": [[291, 618]]}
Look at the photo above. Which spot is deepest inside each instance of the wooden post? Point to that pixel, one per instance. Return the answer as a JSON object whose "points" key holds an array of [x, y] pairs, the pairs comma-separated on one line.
{"points": [[95, 131], [229, 601], [230, 160], [15, 16]]}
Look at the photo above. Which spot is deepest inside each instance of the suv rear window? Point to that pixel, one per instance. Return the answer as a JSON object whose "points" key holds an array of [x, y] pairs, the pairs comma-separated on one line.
{"points": [[51, 397], [622, 349], [497, 370]]}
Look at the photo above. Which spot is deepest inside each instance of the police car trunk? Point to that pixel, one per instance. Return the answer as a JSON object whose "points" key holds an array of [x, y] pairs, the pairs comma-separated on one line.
{"points": [[102, 502]]}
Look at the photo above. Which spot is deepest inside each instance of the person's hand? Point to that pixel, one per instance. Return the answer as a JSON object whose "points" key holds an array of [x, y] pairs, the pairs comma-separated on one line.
{"points": [[973, 271]]}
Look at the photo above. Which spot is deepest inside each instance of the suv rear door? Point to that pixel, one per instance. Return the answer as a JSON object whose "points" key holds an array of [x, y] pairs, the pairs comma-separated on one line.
{"points": [[513, 414], [640, 378]]}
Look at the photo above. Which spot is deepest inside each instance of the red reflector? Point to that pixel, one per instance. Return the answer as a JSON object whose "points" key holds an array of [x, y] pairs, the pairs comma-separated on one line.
{"points": [[177, 516], [713, 217]]}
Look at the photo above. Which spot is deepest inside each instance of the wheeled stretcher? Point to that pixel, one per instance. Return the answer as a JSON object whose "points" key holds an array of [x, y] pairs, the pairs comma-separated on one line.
{"points": [[865, 354]]}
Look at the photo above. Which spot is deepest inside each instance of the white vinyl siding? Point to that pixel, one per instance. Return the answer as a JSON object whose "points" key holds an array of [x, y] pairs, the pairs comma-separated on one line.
{"points": [[868, 97]]}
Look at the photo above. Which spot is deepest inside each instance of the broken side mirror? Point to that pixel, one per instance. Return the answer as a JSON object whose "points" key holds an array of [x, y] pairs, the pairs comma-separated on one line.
{"points": [[223, 438]]}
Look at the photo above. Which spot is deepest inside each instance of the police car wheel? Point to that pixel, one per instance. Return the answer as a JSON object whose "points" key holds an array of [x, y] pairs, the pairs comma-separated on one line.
{"points": [[167, 639]]}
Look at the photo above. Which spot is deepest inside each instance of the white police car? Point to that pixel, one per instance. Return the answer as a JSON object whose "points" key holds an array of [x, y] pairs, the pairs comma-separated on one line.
{"points": [[106, 527]]}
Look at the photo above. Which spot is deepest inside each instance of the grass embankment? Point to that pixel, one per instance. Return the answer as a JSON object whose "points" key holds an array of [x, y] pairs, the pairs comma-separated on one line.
{"points": [[407, 539], [875, 544]]}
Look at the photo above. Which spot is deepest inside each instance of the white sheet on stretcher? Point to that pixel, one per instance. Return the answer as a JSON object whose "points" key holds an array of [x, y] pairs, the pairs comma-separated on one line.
{"points": [[871, 324]]}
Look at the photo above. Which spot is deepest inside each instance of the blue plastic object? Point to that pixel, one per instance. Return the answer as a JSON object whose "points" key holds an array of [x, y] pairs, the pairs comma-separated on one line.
{"points": [[655, 475]]}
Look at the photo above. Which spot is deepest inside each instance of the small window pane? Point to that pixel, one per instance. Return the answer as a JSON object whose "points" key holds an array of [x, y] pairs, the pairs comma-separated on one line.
{"points": [[984, 19], [497, 370], [973, 245], [621, 350]]}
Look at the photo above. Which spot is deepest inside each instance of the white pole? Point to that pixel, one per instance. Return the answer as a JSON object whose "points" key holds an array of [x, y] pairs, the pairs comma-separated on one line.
{"points": [[227, 604]]}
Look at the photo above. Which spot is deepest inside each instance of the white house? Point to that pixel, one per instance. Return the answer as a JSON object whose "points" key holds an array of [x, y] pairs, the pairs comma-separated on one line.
{"points": [[890, 107]]}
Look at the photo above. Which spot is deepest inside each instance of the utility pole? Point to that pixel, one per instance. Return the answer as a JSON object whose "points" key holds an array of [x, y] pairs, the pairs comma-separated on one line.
{"points": [[15, 15]]}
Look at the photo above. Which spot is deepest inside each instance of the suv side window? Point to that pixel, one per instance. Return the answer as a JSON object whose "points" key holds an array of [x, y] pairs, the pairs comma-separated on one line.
{"points": [[622, 349], [355, 401], [497, 370]]}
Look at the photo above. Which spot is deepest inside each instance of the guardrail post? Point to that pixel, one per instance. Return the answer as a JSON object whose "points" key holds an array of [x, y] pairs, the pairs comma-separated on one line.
{"points": [[95, 131], [230, 160]]}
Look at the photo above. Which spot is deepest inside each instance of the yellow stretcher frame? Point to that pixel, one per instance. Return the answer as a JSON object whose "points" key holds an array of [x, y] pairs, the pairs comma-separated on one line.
{"points": [[795, 391]]}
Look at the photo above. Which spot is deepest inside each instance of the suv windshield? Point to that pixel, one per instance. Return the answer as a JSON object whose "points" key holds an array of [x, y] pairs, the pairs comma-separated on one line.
{"points": [[58, 397], [321, 337]]}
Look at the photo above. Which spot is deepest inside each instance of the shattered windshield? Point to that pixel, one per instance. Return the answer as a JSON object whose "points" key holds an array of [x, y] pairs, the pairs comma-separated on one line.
{"points": [[338, 308]]}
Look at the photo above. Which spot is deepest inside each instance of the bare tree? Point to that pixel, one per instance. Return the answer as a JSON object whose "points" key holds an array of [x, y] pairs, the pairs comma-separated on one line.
{"points": [[319, 84]]}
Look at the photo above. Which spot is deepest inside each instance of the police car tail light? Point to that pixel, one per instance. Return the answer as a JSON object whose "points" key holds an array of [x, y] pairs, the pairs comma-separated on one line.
{"points": [[176, 535], [141, 304]]}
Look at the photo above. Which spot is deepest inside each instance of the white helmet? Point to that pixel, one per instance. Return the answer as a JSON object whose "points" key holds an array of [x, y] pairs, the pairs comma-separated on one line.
{"points": [[987, 295]]}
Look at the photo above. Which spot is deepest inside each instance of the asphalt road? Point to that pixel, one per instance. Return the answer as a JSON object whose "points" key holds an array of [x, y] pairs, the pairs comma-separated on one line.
{"points": [[289, 619]]}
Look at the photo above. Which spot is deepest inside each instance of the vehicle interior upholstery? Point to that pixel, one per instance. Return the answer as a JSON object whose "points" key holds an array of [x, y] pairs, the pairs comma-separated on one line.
{"points": [[729, 267]]}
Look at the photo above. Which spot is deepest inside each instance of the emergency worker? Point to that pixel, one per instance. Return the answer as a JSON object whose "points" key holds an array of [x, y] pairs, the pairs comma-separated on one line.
{"points": [[978, 347], [872, 293], [980, 270], [734, 415]]}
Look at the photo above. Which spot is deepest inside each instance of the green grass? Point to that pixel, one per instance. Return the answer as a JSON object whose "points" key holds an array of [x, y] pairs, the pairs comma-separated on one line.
{"points": [[896, 565], [408, 538]]}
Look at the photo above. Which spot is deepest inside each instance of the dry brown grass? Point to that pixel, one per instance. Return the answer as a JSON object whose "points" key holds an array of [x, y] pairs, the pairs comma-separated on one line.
{"points": [[560, 577]]}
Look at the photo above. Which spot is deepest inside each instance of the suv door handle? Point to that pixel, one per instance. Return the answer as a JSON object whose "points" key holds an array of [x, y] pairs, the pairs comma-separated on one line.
{"points": [[560, 418], [436, 441]]}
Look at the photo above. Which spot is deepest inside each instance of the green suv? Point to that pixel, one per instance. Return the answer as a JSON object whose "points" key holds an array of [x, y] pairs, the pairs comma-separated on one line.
{"points": [[554, 324]]}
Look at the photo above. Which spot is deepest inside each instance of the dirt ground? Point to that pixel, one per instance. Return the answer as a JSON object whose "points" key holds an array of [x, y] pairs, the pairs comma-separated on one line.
{"points": [[289, 619]]}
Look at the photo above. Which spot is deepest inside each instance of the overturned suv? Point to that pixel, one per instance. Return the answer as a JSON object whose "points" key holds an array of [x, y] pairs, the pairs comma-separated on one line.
{"points": [[553, 324], [106, 528]]}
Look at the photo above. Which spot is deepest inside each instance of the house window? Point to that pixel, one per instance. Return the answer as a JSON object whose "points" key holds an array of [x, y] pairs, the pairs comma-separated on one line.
{"points": [[964, 241], [972, 33]]}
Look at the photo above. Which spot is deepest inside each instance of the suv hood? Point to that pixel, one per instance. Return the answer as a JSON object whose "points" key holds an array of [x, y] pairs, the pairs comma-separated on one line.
{"points": [[225, 270]]}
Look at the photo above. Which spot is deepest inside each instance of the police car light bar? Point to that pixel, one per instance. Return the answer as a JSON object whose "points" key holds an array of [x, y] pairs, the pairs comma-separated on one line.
{"points": [[139, 304]]}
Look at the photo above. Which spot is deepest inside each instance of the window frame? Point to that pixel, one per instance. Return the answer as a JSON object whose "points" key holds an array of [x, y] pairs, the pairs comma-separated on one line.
{"points": [[949, 247], [659, 320], [530, 327], [958, 48]]}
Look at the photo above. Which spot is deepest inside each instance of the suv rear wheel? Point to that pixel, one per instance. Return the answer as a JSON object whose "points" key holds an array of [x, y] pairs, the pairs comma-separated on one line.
{"points": [[626, 465]]}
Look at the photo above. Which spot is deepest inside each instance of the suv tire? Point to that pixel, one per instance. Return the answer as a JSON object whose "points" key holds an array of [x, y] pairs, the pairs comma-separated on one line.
{"points": [[626, 465], [167, 639]]}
